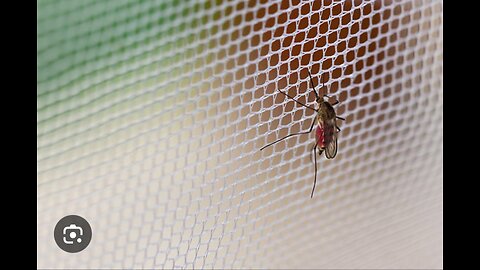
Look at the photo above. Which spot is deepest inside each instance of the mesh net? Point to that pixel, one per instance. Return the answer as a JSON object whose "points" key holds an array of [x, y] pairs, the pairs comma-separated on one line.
{"points": [[151, 115]]}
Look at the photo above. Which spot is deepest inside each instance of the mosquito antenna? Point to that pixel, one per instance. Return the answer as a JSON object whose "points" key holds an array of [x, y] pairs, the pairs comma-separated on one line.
{"points": [[323, 85], [313, 85], [321, 80], [306, 106]]}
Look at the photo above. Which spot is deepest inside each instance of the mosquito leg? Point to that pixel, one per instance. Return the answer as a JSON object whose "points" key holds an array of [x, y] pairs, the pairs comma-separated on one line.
{"points": [[335, 103], [341, 118], [306, 106], [312, 150], [338, 129], [315, 179], [290, 135]]}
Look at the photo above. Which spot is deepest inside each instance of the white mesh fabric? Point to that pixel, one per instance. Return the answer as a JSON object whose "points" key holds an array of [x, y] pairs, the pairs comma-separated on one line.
{"points": [[151, 115]]}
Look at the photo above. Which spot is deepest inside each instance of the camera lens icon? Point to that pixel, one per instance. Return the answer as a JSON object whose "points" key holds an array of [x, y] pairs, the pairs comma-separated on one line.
{"points": [[72, 233]]}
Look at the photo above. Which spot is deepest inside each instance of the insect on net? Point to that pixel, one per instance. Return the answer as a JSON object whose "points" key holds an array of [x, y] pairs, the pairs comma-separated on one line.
{"points": [[151, 115]]}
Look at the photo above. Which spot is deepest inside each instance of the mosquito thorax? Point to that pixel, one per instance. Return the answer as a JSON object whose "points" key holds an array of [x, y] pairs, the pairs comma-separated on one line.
{"points": [[321, 99], [326, 110]]}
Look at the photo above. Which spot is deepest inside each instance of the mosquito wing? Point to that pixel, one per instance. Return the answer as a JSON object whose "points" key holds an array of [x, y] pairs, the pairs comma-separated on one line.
{"points": [[331, 141]]}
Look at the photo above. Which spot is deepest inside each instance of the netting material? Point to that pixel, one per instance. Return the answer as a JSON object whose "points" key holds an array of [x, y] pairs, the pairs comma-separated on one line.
{"points": [[151, 114]]}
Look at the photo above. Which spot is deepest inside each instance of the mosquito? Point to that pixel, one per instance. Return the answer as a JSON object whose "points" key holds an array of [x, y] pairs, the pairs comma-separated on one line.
{"points": [[327, 130]]}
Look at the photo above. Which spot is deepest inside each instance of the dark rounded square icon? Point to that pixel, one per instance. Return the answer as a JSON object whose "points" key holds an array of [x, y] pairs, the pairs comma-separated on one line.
{"points": [[72, 233]]}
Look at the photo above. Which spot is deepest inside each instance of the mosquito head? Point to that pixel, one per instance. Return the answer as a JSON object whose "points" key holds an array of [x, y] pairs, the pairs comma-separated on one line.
{"points": [[323, 98]]}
